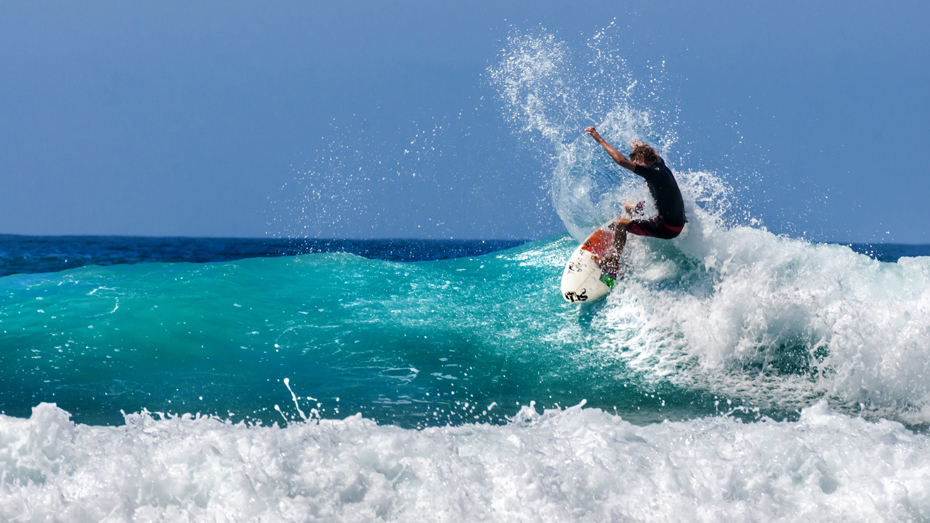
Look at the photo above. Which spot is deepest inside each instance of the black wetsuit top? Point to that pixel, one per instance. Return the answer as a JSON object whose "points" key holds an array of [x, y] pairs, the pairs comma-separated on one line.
{"points": [[665, 192]]}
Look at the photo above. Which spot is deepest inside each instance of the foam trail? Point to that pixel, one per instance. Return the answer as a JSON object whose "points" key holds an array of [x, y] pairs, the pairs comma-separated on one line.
{"points": [[562, 465]]}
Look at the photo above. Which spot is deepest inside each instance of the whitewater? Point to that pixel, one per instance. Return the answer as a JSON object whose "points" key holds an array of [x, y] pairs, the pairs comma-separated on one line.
{"points": [[732, 375]]}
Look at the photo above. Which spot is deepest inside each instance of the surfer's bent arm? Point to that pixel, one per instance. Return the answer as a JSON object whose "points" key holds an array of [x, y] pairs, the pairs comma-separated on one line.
{"points": [[615, 154]]}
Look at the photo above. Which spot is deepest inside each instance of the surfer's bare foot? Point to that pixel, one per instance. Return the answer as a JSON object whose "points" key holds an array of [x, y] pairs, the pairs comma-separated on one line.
{"points": [[633, 209], [621, 222]]}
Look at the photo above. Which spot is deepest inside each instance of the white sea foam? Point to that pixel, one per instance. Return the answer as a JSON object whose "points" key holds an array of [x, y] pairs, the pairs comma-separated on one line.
{"points": [[776, 320], [726, 307], [570, 465]]}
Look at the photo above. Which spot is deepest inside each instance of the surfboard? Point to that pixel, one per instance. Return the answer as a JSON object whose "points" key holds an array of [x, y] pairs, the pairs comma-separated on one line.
{"points": [[583, 279]]}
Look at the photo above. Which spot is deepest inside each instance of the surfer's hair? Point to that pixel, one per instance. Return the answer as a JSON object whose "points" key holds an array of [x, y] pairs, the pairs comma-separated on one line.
{"points": [[645, 154]]}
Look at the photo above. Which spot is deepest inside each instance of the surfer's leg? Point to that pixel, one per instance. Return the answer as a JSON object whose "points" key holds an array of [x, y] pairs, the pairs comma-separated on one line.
{"points": [[654, 228], [620, 237]]}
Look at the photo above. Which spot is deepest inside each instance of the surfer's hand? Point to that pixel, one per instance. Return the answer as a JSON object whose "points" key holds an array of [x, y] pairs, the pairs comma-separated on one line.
{"points": [[594, 134]]}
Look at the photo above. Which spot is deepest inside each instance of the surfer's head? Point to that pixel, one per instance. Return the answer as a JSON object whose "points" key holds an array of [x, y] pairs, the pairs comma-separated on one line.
{"points": [[643, 155]]}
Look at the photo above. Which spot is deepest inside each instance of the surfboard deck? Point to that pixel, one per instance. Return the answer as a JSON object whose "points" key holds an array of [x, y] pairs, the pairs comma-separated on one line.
{"points": [[583, 279]]}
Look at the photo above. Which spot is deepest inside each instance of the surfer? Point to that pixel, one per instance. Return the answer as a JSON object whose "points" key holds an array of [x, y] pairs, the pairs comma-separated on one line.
{"points": [[645, 162]]}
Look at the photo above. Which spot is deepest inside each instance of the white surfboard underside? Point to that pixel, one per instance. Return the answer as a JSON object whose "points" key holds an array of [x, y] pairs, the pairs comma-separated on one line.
{"points": [[581, 279]]}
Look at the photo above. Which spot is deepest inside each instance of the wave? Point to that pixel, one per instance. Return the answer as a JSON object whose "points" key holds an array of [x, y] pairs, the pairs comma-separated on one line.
{"points": [[719, 316], [573, 464]]}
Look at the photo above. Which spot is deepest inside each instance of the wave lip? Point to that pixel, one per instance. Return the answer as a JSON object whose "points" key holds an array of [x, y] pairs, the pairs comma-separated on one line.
{"points": [[561, 465], [776, 322]]}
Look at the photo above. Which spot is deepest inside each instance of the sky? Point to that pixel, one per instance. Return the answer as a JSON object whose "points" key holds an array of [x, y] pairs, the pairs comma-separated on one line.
{"points": [[374, 119]]}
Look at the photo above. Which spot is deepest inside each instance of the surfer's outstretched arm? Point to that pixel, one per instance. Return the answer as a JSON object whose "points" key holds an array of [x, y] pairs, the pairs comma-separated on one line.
{"points": [[615, 154]]}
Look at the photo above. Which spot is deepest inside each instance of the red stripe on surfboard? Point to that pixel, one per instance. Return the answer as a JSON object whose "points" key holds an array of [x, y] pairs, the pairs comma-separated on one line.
{"points": [[599, 242]]}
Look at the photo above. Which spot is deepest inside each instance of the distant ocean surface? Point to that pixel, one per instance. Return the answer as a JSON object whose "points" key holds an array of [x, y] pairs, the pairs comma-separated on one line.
{"points": [[34, 254], [31, 254]]}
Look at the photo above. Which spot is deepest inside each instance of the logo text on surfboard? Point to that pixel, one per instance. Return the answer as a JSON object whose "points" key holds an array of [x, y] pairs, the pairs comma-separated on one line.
{"points": [[573, 297]]}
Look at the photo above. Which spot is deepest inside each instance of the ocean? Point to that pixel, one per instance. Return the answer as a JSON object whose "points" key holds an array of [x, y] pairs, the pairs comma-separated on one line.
{"points": [[733, 374], [762, 378]]}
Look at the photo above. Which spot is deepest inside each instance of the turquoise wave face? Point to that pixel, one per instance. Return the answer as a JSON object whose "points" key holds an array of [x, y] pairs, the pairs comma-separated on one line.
{"points": [[413, 344], [719, 320]]}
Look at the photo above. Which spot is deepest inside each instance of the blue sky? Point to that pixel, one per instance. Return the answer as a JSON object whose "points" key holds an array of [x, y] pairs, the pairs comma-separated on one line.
{"points": [[293, 118]]}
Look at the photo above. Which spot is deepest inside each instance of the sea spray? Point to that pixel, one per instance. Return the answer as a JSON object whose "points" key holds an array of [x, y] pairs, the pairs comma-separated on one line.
{"points": [[551, 93]]}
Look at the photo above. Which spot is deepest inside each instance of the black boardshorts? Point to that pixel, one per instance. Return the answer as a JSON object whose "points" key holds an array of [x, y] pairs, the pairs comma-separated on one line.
{"points": [[654, 228]]}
